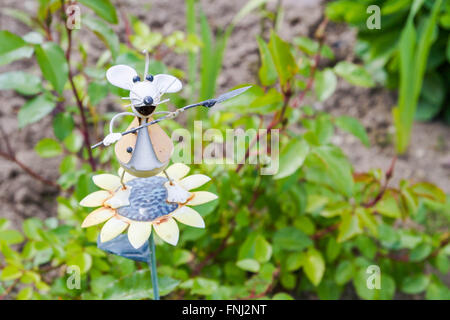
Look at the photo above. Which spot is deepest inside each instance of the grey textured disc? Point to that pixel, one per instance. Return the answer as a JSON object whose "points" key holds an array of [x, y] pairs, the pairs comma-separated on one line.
{"points": [[147, 200]]}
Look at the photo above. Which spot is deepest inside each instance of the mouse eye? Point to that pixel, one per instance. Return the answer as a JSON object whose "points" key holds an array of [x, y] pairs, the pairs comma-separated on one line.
{"points": [[136, 79], [149, 78]]}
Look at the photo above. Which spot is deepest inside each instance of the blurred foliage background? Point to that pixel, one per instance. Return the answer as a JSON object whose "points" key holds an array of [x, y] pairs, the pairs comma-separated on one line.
{"points": [[310, 231]]}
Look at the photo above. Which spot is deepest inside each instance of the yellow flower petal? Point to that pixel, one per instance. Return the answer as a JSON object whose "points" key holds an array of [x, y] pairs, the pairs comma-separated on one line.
{"points": [[168, 231], [97, 216], [139, 232], [95, 199], [127, 177], [194, 181], [189, 217], [177, 171], [201, 197], [107, 181], [112, 228]]}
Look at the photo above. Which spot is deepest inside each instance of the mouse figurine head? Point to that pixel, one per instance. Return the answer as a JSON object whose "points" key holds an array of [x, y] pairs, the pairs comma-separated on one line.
{"points": [[146, 92]]}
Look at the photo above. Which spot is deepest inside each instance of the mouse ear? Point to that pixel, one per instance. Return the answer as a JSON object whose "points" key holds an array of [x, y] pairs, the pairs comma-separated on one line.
{"points": [[167, 83], [121, 76]]}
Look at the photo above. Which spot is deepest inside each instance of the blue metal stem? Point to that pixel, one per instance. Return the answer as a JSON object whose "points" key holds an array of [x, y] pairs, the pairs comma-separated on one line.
{"points": [[152, 265]]}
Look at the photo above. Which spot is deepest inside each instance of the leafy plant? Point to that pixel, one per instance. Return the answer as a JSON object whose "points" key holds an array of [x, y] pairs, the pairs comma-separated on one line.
{"points": [[410, 52], [310, 230]]}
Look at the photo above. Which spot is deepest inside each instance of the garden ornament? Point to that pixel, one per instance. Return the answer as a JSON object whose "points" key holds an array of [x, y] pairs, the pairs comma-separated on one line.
{"points": [[146, 152], [146, 195]]}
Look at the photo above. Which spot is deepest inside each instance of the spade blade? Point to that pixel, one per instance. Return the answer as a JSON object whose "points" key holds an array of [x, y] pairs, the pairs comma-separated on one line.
{"points": [[231, 94]]}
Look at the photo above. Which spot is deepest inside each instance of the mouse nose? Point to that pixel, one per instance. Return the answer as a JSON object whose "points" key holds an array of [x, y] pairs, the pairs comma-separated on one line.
{"points": [[148, 101]]}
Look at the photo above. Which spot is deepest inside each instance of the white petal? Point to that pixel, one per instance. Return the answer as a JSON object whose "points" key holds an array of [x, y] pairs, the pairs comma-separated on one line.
{"points": [[168, 231], [139, 232], [167, 83], [127, 177], [97, 216], [121, 198], [107, 181], [189, 217], [121, 76], [112, 228], [177, 171], [176, 193], [194, 181], [95, 199], [201, 197]]}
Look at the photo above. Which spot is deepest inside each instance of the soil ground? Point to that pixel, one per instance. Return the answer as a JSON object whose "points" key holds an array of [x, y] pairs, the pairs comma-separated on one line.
{"points": [[428, 159]]}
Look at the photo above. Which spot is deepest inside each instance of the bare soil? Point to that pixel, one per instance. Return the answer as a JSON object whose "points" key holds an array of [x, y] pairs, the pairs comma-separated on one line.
{"points": [[428, 159]]}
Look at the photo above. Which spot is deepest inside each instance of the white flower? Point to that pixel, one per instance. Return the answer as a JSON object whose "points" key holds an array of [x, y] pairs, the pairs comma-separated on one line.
{"points": [[142, 206]]}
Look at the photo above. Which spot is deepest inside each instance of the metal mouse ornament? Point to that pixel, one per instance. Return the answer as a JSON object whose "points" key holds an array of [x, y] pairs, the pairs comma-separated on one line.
{"points": [[144, 149], [146, 196]]}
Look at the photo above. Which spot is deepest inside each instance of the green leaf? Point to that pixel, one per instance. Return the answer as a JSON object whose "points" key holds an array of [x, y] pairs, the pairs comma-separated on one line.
{"points": [[11, 236], [22, 82], [292, 157], [430, 191], [104, 32], [63, 125], [10, 273], [48, 148], [415, 284], [267, 72], [82, 259], [295, 261], [53, 64], [73, 142], [350, 226], [248, 265], [35, 109], [387, 286], [333, 249], [354, 127], [282, 58], [291, 239], [420, 252], [413, 60], [103, 8], [31, 228], [344, 272], [263, 249], [335, 167], [388, 206], [25, 294], [282, 296], [97, 92], [314, 266], [204, 286], [324, 84], [13, 48], [354, 74], [137, 285]]}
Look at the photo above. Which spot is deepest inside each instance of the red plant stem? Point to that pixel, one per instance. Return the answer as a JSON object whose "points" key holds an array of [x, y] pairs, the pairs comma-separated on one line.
{"points": [[269, 288], [84, 125], [380, 194], [8, 290], [319, 234], [320, 36], [126, 23], [28, 170], [212, 255]]}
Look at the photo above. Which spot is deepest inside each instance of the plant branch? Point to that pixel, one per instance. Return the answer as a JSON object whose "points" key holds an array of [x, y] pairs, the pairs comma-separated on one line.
{"points": [[380, 194], [84, 128]]}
